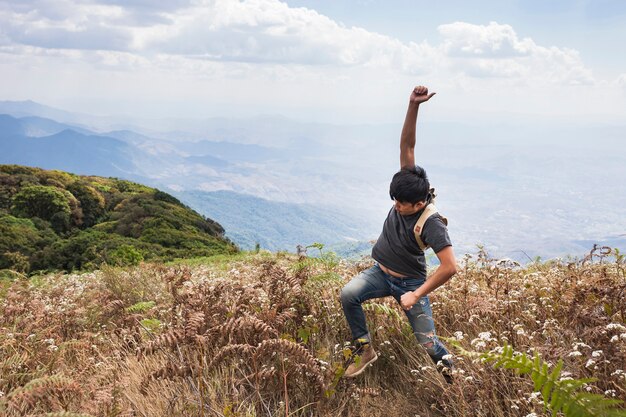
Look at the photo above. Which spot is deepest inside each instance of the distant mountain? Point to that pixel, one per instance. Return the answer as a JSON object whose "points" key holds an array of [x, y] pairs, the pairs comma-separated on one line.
{"points": [[57, 220], [31, 108], [249, 220], [46, 144]]}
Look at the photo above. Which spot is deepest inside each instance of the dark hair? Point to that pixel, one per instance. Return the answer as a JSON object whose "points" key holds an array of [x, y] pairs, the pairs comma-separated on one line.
{"points": [[409, 185]]}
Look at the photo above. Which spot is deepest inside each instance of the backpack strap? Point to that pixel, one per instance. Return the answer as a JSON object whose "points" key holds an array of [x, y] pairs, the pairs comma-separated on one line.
{"points": [[419, 226]]}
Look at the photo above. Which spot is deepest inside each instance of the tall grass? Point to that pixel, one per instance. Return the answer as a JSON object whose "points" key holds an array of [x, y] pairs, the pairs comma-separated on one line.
{"points": [[263, 335]]}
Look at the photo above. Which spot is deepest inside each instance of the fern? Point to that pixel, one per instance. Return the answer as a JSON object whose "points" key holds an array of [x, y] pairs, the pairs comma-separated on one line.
{"points": [[140, 307], [559, 395], [327, 280], [383, 309]]}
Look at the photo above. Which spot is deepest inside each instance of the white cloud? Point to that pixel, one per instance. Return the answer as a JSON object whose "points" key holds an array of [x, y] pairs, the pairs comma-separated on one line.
{"points": [[494, 40], [227, 56], [270, 32], [495, 50]]}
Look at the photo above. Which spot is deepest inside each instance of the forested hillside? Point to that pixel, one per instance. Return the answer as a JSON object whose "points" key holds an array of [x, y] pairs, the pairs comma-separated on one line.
{"points": [[53, 220]]}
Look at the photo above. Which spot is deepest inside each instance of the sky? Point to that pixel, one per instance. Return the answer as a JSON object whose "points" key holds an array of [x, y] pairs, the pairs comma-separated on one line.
{"points": [[319, 60]]}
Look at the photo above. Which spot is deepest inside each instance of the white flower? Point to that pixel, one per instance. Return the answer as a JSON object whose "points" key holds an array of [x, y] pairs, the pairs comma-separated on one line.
{"points": [[589, 363], [596, 353], [574, 353], [458, 335], [469, 378], [614, 339], [478, 343], [616, 326], [485, 336]]}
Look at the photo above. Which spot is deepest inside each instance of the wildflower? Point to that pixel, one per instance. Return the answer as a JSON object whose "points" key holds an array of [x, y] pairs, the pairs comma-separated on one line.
{"points": [[469, 378], [589, 363], [610, 393], [53, 348], [414, 372], [458, 335], [514, 407], [447, 357], [574, 353], [614, 339], [485, 336], [596, 353], [616, 326], [579, 345], [478, 344]]}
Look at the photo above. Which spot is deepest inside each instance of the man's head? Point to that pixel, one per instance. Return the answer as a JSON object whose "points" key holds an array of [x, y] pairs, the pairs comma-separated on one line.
{"points": [[409, 189]]}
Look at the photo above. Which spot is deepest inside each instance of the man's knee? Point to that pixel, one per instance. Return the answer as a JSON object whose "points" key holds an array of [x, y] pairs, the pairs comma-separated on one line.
{"points": [[427, 340], [348, 295]]}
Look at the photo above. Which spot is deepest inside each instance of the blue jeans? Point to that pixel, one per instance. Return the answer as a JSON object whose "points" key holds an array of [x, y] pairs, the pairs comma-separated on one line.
{"points": [[375, 283]]}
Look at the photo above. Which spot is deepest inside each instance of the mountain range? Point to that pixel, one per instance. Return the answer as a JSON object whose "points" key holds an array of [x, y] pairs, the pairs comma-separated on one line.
{"points": [[522, 191]]}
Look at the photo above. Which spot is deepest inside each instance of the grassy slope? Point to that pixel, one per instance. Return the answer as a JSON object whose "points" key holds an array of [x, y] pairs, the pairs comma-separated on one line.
{"points": [[261, 334]]}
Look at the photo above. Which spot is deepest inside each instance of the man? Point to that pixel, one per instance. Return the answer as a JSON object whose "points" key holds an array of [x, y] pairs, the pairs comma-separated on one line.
{"points": [[400, 269]]}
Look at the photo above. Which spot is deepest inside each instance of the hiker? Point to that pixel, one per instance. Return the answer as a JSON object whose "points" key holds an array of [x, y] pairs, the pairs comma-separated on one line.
{"points": [[400, 268]]}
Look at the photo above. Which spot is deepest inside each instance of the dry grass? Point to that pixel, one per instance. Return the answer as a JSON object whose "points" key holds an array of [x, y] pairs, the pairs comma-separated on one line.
{"points": [[262, 335]]}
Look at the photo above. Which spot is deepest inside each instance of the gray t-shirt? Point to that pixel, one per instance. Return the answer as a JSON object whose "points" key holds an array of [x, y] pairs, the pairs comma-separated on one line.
{"points": [[397, 249]]}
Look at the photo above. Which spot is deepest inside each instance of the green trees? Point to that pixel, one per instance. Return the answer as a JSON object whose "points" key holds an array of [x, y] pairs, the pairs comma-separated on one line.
{"points": [[55, 220], [91, 202], [47, 203]]}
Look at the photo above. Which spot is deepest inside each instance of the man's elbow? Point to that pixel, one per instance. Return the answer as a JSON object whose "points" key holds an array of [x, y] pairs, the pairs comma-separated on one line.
{"points": [[450, 270]]}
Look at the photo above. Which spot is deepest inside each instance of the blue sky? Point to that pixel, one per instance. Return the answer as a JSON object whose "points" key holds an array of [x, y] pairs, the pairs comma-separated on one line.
{"points": [[323, 60]]}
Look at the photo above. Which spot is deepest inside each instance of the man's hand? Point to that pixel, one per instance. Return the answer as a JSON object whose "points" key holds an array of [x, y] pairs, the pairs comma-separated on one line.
{"points": [[420, 94], [408, 300]]}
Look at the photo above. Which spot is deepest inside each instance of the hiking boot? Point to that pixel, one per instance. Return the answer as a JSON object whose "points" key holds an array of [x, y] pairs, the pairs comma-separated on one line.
{"points": [[363, 355], [447, 375]]}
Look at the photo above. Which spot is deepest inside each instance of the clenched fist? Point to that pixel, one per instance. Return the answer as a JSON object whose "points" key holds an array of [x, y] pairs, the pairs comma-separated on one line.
{"points": [[420, 94]]}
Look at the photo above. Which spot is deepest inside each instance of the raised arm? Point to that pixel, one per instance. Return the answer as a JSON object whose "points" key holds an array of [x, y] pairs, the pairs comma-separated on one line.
{"points": [[407, 138]]}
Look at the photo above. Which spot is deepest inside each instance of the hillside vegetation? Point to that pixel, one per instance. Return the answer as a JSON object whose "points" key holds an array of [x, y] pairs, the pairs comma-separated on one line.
{"points": [[263, 335], [53, 220]]}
